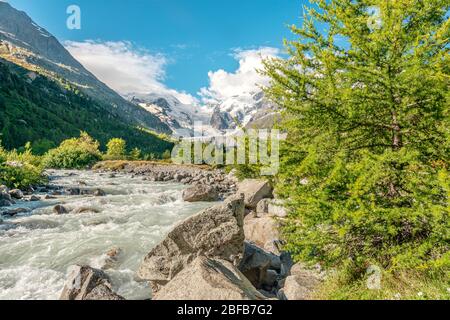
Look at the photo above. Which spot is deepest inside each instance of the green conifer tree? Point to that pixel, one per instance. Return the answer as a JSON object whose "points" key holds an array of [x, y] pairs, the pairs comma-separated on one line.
{"points": [[364, 95]]}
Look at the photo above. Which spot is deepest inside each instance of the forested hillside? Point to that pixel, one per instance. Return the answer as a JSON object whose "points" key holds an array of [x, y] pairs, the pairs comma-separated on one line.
{"points": [[37, 109]]}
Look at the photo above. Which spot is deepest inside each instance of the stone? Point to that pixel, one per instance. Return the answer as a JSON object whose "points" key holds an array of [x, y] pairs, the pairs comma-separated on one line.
{"points": [[263, 231], [86, 283], [276, 208], [99, 193], [16, 194], [254, 190], [112, 256], [85, 210], [15, 211], [200, 192], [301, 284], [59, 209], [5, 203], [209, 279], [256, 262], [215, 232], [35, 198], [262, 207], [6, 196]]}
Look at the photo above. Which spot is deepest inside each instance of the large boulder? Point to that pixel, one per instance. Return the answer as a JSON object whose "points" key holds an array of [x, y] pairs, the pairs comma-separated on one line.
{"points": [[264, 232], [86, 283], [200, 192], [209, 279], [254, 190], [257, 265], [301, 284], [215, 232]]}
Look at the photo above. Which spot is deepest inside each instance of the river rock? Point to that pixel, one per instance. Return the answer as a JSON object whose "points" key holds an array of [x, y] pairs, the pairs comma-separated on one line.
{"points": [[16, 194], [5, 203], [35, 198], [112, 257], [86, 283], [209, 279], [200, 192], [263, 231], [254, 190], [215, 232], [300, 284], [85, 210], [15, 211], [59, 209], [99, 193]]}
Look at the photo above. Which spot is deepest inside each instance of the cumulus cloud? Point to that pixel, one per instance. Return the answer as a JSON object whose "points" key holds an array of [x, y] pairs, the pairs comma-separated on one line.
{"points": [[124, 67], [245, 79]]}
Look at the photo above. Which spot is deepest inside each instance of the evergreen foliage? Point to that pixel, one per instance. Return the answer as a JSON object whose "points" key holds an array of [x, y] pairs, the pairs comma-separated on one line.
{"points": [[365, 104], [45, 112]]}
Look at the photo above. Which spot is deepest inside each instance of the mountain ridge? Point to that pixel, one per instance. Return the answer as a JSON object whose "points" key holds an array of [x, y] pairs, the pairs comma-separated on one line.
{"points": [[25, 43]]}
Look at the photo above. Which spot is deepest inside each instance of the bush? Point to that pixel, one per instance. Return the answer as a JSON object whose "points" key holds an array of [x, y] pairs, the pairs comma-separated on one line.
{"points": [[74, 153], [116, 149], [25, 172], [21, 176]]}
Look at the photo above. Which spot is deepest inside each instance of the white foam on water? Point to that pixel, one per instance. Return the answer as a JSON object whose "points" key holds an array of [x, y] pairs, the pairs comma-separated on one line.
{"points": [[36, 249]]}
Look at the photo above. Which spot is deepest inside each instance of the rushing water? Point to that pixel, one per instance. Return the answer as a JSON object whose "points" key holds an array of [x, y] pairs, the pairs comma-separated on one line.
{"points": [[134, 216]]}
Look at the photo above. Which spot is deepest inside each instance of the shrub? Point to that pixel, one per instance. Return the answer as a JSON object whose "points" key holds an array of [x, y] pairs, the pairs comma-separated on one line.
{"points": [[25, 172], [21, 176], [135, 154], [116, 149], [74, 153]]}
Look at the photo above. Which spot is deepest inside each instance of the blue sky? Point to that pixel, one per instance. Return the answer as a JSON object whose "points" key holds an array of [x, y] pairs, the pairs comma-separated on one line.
{"points": [[187, 38]]}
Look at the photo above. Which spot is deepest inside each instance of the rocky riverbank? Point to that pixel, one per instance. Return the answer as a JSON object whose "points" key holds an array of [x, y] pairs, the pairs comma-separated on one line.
{"points": [[232, 250]]}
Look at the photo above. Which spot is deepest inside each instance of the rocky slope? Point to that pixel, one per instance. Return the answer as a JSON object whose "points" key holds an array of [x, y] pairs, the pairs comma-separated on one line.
{"points": [[25, 43], [248, 110], [180, 117]]}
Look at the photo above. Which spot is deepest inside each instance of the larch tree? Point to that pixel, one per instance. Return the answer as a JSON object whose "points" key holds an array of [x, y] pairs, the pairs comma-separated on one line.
{"points": [[364, 95]]}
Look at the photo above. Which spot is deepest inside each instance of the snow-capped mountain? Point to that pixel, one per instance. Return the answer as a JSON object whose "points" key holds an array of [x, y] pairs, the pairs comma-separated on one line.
{"points": [[246, 110], [177, 115], [250, 110]]}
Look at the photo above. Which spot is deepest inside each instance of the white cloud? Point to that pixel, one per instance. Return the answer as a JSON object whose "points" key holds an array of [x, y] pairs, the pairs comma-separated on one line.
{"points": [[125, 68], [245, 79]]}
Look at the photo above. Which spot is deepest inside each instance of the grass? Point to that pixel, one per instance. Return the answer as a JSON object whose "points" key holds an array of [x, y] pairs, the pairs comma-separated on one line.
{"points": [[401, 286]]}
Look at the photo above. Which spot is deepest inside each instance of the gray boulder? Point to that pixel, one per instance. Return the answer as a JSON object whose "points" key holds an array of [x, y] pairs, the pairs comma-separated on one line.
{"points": [[86, 283], [301, 284], [215, 232], [209, 279], [200, 192], [16, 194], [263, 231], [254, 190], [256, 263]]}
